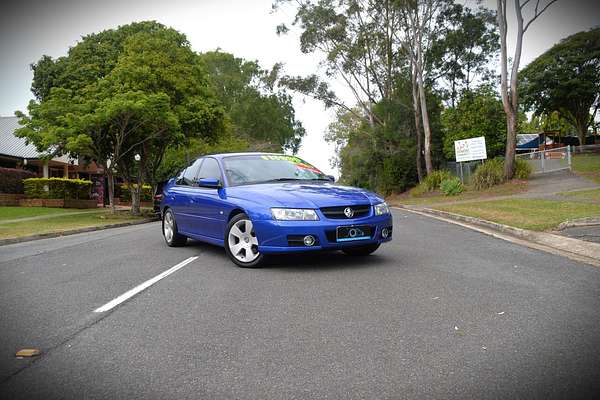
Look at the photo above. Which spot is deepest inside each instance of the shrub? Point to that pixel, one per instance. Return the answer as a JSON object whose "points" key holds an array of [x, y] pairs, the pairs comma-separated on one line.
{"points": [[11, 180], [452, 186], [433, 180], [522, 169], [488, 174], [58, 188], [125, 192]]}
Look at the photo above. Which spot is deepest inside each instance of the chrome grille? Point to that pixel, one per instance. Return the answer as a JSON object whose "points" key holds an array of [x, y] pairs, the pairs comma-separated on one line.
{"points": [[340, 212]]}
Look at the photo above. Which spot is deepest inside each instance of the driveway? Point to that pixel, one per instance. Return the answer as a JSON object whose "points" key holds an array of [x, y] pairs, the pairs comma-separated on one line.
{"points": [[441, 312]]}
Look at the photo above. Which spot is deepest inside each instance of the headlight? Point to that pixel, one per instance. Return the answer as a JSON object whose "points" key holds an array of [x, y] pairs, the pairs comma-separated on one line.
{"points": [[381, 208], [294, 214]]}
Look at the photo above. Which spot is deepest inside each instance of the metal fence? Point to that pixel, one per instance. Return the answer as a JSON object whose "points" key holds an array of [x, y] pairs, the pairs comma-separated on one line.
{"points": [[463, 170], [548, 160], [588, 148]]}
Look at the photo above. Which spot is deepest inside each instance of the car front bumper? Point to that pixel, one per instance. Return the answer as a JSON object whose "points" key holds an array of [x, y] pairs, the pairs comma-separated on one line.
{"points": [[274, 236]]}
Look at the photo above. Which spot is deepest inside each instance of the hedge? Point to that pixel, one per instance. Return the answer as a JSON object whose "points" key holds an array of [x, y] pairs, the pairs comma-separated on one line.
{"points": [[125, 193], [11, 180], [58, 188]]}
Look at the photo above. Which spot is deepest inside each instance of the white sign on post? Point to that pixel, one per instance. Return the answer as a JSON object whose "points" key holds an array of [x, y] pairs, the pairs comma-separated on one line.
{"points": [[470, 149]]}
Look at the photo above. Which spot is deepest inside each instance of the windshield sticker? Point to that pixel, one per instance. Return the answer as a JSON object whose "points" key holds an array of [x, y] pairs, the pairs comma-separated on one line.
{"points": [[293, 159], [310, 168]]}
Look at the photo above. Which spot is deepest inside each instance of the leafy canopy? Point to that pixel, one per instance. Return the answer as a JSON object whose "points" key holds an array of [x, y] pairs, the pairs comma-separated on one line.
{"points": [[260, 111], [566, 79], [135, 89], [478, 113]]}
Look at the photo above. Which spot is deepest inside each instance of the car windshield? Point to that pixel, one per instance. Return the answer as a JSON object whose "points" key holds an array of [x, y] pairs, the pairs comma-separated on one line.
{"points": [[248, 169]]}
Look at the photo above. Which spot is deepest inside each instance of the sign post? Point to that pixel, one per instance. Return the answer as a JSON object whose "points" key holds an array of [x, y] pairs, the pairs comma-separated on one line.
{"points": [[469, 150]]}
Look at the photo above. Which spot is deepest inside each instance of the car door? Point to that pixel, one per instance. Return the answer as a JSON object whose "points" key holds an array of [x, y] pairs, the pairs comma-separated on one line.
{"points": [[182, 197], [208, 213]]}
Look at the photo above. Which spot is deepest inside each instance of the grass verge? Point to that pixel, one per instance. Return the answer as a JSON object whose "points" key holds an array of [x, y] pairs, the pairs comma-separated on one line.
{"points": [[431, 198], [9, 212], [64, 223], [536, 215], [587, 165], [592, 195]]}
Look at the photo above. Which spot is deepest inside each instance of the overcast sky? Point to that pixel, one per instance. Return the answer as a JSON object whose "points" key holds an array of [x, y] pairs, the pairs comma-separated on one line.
{"points": [[31, 28]]}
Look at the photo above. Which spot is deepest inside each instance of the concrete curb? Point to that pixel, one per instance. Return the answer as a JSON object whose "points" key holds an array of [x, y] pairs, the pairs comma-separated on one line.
{"points": [[591, 221], [568, 247], [48, 235]]}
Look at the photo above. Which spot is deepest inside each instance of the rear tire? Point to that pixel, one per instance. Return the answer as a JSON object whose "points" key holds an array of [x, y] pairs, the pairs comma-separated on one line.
{"points": [[170, 232], [361, 251], [241, 243]]}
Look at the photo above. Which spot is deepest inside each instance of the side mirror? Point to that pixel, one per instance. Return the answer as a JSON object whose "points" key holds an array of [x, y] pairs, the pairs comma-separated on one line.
{"points": [[209, 183], [331, 178]]}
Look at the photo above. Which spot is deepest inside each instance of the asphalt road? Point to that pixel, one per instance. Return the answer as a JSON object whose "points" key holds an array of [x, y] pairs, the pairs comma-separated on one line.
{"points": [[441, 312]]}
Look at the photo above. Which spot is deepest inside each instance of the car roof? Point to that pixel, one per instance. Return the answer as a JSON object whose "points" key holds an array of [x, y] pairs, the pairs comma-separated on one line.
{"points": [[249, 153]]}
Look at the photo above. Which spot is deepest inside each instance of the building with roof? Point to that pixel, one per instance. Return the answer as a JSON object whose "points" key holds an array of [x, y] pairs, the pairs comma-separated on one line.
{"points": [[15, 152]]}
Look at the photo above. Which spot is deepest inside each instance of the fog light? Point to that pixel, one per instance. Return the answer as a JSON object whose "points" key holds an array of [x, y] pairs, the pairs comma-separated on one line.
{"points": [[385, 233], [309, 240]]}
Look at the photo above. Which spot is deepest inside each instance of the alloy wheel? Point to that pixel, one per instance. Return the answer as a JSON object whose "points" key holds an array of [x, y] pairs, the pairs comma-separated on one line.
{"points": [[242, 241]]}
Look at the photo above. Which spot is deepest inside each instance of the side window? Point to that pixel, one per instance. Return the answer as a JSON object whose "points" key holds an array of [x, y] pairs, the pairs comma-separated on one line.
{"points": [[188, 175], [210, 169]]}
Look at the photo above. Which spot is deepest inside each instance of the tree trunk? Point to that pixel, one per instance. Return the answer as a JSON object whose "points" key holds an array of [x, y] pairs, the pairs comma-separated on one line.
{"points": [[582, 133], [511, 146], [423, 104], [111, 189], [426, 128], [135, 198], [417, 113]]}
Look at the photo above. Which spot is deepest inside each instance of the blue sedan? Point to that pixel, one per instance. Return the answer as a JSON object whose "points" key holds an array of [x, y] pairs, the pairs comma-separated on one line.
{"points": [[256, 204]]}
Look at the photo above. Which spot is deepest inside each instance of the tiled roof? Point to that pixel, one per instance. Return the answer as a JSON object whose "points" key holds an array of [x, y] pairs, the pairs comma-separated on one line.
{"points": [[10, 145]]}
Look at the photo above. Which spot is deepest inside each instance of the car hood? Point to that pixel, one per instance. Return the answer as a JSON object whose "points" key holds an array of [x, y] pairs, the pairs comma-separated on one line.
{"points": [[303, 195]]}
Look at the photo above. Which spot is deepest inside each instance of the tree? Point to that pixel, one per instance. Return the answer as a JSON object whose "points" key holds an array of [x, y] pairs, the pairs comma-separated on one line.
{"points": [[509, 93], [460, 55], [260, 110], [368, 46], [566, 79], [478, 113], [420, 24], [357, 42], [132, 90]]}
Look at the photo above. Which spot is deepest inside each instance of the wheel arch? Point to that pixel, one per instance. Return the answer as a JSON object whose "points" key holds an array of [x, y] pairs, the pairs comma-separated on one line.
{"points": [[235, 212]]}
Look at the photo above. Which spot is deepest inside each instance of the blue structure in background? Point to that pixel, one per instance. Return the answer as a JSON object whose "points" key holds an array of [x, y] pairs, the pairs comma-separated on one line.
{"points": [[528, 142]]}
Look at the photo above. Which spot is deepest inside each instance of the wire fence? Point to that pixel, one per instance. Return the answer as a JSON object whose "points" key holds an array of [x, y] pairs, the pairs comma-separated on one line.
{"points": [[548, 160], [463, 170]]}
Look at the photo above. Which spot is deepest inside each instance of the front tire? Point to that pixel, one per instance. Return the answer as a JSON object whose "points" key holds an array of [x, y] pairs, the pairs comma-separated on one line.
{"points": [[241, 243], [361, 250], [170, 232]]}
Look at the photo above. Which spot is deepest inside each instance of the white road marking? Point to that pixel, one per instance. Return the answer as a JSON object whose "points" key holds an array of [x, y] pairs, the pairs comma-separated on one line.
{"points": [[130, 293]]}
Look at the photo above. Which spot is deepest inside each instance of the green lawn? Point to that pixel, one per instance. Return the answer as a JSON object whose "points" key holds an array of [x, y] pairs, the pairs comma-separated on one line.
{"points": [[587, 165], [437, 197], [537, 215], [592, 195], [63, 223], [7, 213]]}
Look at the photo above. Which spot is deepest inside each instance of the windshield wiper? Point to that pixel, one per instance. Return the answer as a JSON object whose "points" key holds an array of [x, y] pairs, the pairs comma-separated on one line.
{"points": [[284, 179]]}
